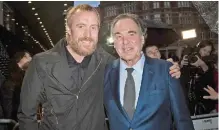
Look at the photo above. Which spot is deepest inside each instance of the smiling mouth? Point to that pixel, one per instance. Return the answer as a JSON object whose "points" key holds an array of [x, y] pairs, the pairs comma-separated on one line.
{"points": [[86, 42], [128, 49]]}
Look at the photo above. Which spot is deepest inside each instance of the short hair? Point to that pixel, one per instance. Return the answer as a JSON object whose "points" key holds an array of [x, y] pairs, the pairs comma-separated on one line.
{"points": [[148, 45], [82, 7], [205, 43], [133, 17]]}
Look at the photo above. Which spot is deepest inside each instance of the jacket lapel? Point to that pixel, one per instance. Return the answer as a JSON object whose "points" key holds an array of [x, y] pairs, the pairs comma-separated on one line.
{"points": [[147, 80], [114, 79], [58, 68]]}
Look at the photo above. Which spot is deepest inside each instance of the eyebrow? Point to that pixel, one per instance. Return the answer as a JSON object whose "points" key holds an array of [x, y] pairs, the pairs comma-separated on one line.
{"points": [[116, 33], [95, 25], [132, 32], [79, 24]]}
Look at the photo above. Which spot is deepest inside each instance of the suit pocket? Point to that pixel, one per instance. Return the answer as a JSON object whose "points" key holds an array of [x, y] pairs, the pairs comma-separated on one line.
{"points": [[158, 88], [62, 103]]}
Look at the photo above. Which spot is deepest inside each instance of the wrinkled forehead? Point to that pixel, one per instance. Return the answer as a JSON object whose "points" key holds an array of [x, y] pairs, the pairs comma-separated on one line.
{"points": [[124, 26], [81, 16]]}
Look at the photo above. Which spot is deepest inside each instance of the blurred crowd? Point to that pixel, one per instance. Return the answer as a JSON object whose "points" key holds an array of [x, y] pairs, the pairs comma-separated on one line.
{"points": [[199, 75]]}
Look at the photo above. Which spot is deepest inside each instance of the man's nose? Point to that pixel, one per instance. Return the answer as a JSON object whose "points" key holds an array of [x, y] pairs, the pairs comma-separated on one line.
{"points": [[87, 32], [125, 40]]}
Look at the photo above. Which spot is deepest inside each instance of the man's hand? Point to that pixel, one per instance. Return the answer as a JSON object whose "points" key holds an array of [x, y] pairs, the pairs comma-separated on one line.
{"points": [[213, 94], [174, 69]]}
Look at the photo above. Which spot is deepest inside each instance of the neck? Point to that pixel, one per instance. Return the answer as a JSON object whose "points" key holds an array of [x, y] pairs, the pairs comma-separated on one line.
{"points": [[132, 62], [77, 57]]}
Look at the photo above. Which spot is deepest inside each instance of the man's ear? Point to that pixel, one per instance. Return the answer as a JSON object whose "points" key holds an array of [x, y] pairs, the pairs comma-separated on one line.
{"points": [[143, 39], [68, 31]]}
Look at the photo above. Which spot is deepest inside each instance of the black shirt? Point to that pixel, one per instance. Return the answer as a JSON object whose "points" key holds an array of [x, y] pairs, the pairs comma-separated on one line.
{"points": [[78, 69]]}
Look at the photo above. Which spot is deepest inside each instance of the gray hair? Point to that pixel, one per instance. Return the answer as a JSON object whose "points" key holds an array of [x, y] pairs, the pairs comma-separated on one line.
{"points": [[133, 17]]}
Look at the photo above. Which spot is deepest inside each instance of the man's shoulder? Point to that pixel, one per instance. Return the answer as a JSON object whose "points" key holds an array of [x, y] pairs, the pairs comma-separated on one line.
{"points": [[104, 52], [45, 57], [112, 64], [108, 58], [158, 62]]}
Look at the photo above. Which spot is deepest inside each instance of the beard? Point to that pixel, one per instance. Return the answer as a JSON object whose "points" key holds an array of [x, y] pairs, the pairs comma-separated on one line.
{"points": [[79, 47]]}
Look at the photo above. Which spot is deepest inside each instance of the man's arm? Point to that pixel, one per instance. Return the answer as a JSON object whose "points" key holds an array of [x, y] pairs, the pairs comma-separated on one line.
{"points": [[179, 107], [30, 97]]}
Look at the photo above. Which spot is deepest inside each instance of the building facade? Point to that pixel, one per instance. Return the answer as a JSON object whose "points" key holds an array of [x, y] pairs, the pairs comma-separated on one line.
{"points": [[180, 15]]}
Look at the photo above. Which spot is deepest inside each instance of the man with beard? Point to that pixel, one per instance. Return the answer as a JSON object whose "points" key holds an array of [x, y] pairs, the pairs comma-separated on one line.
{"points": [[68, 79]]}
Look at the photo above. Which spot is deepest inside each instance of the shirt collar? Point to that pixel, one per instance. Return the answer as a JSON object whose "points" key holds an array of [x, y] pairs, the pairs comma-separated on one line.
{"points": [[139, 66]]}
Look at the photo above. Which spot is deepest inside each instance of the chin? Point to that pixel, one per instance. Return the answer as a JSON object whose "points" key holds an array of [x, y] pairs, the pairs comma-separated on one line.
{"points": [[127, 58], [86, 51]]}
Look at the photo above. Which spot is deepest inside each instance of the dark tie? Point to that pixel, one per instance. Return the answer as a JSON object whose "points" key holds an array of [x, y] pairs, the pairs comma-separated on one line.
{"points": [[129, 94]]}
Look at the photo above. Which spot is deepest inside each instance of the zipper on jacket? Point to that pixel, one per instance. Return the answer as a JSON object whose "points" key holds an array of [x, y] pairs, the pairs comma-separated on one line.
{"points": [[88, 78], [53, 113], [77, 95]]}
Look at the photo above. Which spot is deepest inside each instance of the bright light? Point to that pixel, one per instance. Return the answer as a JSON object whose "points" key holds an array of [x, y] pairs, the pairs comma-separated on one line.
{"points": [[33, 8], [29, 2], [187, 34], [110, 40], [65, 4], [40, 22], [36, 14], [38, 18]]}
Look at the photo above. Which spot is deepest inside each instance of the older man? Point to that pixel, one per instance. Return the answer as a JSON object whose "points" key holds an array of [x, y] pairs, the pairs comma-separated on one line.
{"points": [[139, 93]]}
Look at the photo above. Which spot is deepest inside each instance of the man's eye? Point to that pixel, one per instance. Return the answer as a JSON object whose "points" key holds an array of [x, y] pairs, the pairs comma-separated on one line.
{"points": [[118, 37], [94, 28], [131, 34], [80, 26]]}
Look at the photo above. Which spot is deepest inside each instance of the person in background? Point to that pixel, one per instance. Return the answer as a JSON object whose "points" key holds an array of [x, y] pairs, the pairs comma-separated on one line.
{"points": [[213, 94], [23, 59], [11, 87], [11, 91], [152, 51], [196, 75]]}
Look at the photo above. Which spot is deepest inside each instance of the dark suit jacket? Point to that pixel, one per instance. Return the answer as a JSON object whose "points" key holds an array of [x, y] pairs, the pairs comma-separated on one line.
{"points": [[160, 100]]}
